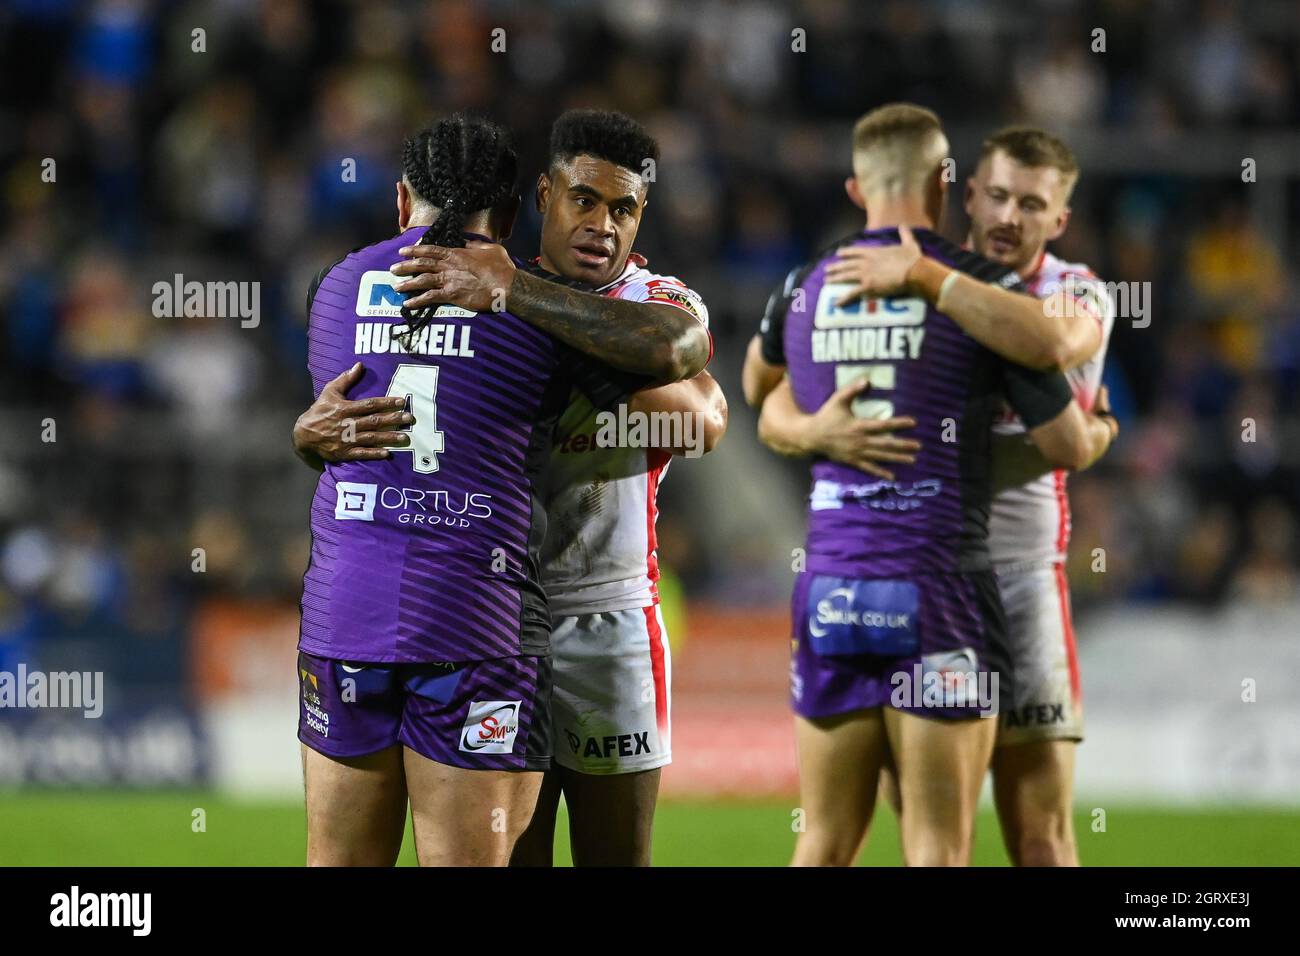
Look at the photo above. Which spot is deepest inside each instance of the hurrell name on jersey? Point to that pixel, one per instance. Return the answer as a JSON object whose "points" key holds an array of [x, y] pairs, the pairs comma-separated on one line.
{"points": [[431, 340]]}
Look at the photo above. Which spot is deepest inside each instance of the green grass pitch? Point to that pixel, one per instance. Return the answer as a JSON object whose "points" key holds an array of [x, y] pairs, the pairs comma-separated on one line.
{"points": [[140, 829]]}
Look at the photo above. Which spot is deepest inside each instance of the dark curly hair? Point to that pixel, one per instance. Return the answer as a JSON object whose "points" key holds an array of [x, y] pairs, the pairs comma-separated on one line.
{"points": [[461, 165], [604, 134]]}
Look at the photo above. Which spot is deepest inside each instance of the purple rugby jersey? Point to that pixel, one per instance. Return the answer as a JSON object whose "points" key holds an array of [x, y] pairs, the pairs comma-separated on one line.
{"points": [[431, 555], [933, 517]]}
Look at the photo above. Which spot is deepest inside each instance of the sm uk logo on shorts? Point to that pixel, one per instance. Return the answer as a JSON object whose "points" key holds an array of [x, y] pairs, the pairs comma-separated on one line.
{"points": [[491, 727]]}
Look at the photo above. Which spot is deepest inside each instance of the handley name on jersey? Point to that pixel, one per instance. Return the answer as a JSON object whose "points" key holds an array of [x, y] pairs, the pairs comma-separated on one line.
{"points": [[890, 329]]}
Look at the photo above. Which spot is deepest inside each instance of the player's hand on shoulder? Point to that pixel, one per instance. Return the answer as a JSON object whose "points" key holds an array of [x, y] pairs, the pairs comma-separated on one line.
{"points": [[868, 444], [336, 428], [476, 277], [875, 271]]}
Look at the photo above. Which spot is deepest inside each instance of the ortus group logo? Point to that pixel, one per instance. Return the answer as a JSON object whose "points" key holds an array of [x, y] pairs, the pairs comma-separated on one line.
{"points": [[357, 501], [878, 495], [491, 727]]}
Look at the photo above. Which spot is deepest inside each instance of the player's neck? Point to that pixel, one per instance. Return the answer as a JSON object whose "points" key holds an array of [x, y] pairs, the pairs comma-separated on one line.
{"points": [[1035, 263], [885, 213], [480, 224]]}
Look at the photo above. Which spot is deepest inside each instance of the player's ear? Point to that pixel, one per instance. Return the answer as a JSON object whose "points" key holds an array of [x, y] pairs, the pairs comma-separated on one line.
{"points": [[855, 192], [938, 196], [543, 192], [969, 197], [403, 205], [941, 181], [507, 214]]}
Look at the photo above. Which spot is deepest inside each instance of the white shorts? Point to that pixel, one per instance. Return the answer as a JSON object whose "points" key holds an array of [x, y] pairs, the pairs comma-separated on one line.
{"points": [[611, 701], [1045, 700]]}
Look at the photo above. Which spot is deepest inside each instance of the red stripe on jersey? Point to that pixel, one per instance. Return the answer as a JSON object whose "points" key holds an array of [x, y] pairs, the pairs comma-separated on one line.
{"points": [[657, 668], [652, 516], [1067, 627], [1063, 510]]}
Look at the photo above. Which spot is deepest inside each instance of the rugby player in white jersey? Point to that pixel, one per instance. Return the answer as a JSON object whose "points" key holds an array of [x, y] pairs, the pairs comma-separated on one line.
{"points": [[1018, 202], [612, 666]]}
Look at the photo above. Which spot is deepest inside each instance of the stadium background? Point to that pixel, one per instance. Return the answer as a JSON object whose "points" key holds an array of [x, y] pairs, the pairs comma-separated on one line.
{"points": [[226, 164]]}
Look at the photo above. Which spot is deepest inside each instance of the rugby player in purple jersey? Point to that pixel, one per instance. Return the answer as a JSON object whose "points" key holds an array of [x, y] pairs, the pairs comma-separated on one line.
{"points": [[899, 643], [424, 663], [612, 668], [1018, 201]]}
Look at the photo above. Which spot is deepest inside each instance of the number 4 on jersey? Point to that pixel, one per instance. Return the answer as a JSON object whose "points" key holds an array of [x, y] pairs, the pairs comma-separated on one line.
{"points": [[418, 384]]}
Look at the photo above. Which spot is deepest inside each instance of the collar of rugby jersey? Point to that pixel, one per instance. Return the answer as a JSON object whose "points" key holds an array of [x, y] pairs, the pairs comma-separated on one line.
{"points": [[466, 235], [634, 261]]}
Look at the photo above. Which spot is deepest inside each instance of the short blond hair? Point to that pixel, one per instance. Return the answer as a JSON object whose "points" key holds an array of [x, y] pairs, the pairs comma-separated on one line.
{"points": [[896, 148], [1035, 148]]}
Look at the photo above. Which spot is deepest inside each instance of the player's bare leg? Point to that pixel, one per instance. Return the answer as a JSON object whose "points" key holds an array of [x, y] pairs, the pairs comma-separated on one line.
{"points": [[536, 847], [889, 786], [941, 765], [611, 816], [467, 817], [839, 766], [356, 808], [1033, 787], [888, 791]]}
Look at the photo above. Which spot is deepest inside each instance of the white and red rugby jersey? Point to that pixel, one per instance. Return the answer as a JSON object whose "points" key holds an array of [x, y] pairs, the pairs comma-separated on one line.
{"points": [[600, 548], [1031, 523]]}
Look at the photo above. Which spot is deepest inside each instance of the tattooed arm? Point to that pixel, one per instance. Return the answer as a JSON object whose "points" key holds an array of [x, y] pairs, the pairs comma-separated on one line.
{"points": [[661, 341], [643, 337]]}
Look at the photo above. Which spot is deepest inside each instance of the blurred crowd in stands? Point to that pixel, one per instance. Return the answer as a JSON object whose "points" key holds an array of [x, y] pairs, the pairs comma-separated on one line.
{"points": [[214, 139]]}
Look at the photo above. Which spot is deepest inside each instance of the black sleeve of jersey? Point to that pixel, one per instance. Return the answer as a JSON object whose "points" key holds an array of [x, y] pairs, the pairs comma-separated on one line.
{"points": [[320, 277], [604, 385], [771, 330], [1037, 397]]}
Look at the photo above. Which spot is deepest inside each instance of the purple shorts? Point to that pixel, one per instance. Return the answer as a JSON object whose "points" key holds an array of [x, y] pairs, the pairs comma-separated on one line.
{"points": [[481, 715], [933, 644]]}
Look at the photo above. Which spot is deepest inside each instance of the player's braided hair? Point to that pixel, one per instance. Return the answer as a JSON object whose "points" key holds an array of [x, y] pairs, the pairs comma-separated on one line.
{"points": [[461, 165]]}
